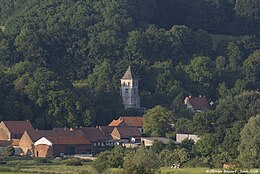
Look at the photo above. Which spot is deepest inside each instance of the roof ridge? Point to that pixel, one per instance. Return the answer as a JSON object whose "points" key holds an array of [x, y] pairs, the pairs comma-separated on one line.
{"points": [[129, 74]]}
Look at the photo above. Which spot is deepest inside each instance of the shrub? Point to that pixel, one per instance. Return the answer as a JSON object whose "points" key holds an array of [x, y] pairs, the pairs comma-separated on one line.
{"points": [[9, 151], [42, 160], [73, 162], [196, 162]]}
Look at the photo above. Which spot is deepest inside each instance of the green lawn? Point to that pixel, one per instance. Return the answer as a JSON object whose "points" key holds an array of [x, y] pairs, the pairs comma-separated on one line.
{"points": [[165, 170]]}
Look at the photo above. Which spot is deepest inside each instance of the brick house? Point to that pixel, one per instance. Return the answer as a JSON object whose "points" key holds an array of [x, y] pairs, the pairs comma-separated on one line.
{"points": [[125, 133], [60, 143], [28, 139], [96, 137], [197, 104], [136, 121], [10, 130]]}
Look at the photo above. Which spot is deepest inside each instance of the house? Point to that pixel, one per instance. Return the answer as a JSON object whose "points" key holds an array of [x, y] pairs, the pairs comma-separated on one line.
{"points": [[106, 130], [148, 141], [126, 134], [197, 104], [96, 136], [181, 137], [10, 130], [60, 143], [28, 139], [136, 121]]}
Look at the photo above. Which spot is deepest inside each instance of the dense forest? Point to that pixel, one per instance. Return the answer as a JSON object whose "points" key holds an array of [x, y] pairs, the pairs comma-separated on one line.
{"points": [[61, 62]]}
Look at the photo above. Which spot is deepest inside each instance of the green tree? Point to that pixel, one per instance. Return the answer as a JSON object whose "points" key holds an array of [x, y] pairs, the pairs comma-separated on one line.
{"points": [[158, 121], [169, 157], [251, 69], [204, 122], [248, 8], [109, 159], [101, 78], [234, 55], [206, 145], [142, 161], [249, 153]]}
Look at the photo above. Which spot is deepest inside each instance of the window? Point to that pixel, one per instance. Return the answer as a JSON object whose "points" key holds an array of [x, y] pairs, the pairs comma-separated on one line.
{"points": [[124, 84], [128, 83], [126, 91]]}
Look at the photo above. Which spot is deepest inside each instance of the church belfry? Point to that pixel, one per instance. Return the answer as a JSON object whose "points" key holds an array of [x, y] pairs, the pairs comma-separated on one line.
{"points": [[129, 89]]}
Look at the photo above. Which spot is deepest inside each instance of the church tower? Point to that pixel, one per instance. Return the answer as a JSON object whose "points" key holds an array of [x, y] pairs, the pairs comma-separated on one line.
{"points": [[129, 89]]}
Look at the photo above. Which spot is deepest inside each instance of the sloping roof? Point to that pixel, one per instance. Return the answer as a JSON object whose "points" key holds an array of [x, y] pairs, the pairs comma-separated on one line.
{"points": [[198, 103], [92, 133], [75, 137], [107, 130], [116, 122], [18, 127], [129, 74], [137, 121], [126, 132], [36, 135]]}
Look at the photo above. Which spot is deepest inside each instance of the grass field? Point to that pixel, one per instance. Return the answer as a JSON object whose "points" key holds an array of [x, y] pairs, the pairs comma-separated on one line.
{"points": [[25, 166]]}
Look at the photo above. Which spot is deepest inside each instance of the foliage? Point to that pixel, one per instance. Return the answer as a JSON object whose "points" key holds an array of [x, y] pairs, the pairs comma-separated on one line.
{"points": [[8, 151], [73, 162], [158, 121], [109, 159], [249, 146], [42, 160], [143, 161], [169, 157], [61, 64]]}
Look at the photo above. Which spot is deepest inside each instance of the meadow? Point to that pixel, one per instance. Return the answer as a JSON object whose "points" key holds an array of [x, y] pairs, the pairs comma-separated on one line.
{"points": [[75, 166]]}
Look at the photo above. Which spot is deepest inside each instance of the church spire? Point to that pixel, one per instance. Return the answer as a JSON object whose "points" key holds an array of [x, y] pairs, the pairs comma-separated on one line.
{"points": [[129, 89], [129, 74]]}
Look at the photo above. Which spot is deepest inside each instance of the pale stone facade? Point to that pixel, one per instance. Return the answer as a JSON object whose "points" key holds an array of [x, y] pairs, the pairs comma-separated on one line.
{"points": [[129, 89]]}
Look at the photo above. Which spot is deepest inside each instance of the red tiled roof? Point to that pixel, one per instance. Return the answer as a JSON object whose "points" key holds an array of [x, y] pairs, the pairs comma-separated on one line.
{"points": [[126, 132], [36, 135], [18, 127], [137, 121], [198, 103], [75, 137], [115, 122], [92, 133]]}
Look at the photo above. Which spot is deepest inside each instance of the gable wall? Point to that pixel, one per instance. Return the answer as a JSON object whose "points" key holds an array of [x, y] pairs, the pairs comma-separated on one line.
{"points": [[4, 132], [43, 151], [26, 144]]}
